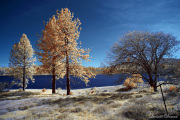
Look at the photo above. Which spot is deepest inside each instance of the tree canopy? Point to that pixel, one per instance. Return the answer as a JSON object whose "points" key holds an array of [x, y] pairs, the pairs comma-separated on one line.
{"points": [[139, 51], [59, 51], [22, 61]]}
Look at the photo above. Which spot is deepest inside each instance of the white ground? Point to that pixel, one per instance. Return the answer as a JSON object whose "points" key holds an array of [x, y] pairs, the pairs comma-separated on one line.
{"points": [[42, 107]]}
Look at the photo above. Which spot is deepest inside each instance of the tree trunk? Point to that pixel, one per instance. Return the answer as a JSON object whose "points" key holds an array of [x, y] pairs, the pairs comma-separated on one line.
{"points": [[24, 70], [155, 79], [68, 82], [155, 85], [67, 70], [54, 81], [150, 80], [24, 78]]}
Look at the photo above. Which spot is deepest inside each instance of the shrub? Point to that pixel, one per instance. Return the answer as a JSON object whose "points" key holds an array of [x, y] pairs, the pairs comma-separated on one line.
{"points": [[151, 89], [94, 90], [129, 83], [44, 90], [137, 78], [71, 93], [20, 90], [76, 110], [173, 88], [132, 82], [62, 116]]}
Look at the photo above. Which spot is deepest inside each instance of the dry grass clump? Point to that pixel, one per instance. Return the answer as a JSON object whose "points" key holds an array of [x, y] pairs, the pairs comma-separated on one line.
{"points": [[65, 103], [16, 95], [42, 111], [151, 89], [44, 90], [71, 93], [129, 83], [18, 105], [132, 82], [171, 95], [62, 116], [159, 110], [143, 91], [71, 109], [173, 88], [76, 110], [138, 96], [123, 89], [88, 105], [101, 109], [94, 90], [122, 96], [143, 100], [115, 104], [132, 100], [64, 109], [135, 111], [20, 90]]}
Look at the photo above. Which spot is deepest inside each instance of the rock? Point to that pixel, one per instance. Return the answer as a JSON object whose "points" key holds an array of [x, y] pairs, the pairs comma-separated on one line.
{"points": [[93, 88], [105, 90]]}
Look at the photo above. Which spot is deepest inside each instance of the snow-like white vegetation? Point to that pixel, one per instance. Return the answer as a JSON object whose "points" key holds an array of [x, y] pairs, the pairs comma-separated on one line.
{"points": [[106, 104]]}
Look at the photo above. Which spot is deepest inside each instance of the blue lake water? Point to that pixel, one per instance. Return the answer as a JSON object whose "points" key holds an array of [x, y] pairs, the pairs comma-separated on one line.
{"points": [[45, 81]]}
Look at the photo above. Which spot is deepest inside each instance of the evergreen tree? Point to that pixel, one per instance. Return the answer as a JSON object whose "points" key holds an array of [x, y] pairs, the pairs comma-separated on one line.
{"points": [[59, 51], [22, 61]]}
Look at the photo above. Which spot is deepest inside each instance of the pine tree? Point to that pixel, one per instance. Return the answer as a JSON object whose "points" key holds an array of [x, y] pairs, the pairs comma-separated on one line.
{"points": [[22, 62], [59, 48], [48, 51]]}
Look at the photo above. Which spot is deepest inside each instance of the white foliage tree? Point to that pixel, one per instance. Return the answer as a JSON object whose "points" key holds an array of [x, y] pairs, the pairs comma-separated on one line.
{"points": [[22, 62]]}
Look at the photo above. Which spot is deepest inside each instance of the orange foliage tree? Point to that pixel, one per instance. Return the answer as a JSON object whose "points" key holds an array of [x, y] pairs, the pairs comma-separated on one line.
{"points": [[59, 49], [132, 82]]}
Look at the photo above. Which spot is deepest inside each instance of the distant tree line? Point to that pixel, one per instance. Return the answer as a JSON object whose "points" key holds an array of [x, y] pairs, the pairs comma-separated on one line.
{"points": [[38, 71], [4, 71]]}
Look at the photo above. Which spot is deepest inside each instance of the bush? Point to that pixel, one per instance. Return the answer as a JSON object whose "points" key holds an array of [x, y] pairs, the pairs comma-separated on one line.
{"points": [[132, 82], [20, 90], [151, 89], [71, 93], [173, 88], [44, 90], [129, 83]]}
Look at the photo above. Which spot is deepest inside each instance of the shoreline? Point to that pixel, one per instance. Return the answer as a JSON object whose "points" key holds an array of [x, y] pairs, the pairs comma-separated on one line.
{"points": [[76, 91]]}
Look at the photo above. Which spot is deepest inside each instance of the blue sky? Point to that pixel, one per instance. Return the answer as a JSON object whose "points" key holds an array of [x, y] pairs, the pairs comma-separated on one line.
{"points": [[103, 21]]}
